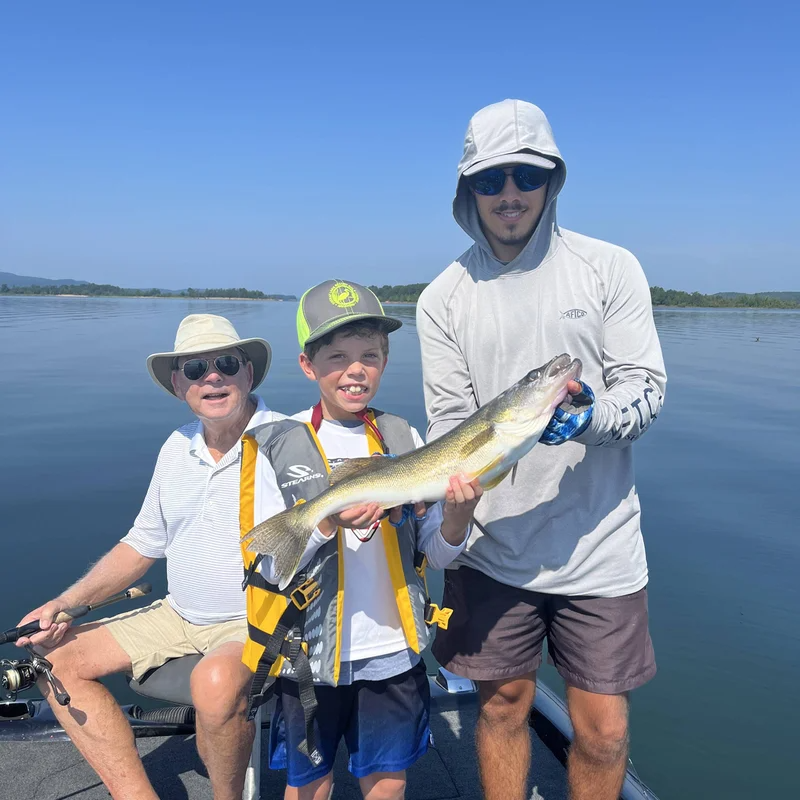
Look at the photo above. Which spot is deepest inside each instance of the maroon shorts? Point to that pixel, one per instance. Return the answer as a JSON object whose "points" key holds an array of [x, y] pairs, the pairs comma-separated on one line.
{"points": [[599, 644]]}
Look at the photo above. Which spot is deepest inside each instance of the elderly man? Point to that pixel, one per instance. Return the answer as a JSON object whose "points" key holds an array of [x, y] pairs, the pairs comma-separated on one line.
{"points": [[190, 516]]}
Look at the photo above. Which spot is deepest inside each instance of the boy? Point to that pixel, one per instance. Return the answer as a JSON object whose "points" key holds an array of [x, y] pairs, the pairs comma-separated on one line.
{"points": [[361, 584]]}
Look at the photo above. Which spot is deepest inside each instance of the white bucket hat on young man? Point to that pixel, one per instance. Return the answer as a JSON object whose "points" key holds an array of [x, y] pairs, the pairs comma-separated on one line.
{"points": [[203, 333]]}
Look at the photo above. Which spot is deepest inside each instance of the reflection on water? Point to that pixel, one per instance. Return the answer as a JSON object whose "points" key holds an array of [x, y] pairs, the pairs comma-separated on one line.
{"points": [[82, 424]]}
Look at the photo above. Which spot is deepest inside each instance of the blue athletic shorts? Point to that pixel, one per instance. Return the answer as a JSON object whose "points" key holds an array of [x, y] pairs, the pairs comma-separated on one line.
{"points": [[385, 725]]}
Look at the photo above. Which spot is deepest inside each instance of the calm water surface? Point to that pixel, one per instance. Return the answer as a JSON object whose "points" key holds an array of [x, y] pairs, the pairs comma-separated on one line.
{"points": [[82, 423]]}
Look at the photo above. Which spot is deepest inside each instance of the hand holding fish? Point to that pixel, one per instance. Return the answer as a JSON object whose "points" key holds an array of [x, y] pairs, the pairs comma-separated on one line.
{"points": [[362, 516], [569, 422], [461, 498]]}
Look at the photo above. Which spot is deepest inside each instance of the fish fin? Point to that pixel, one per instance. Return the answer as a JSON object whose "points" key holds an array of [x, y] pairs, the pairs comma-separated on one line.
{"points": [[498, 478], [514, 472], [284, 538], [495, 481], [354, 466]]}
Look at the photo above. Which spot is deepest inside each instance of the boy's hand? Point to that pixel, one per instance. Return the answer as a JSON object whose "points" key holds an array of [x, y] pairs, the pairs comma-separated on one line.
{"points": [[459, 505], [362, 516]]}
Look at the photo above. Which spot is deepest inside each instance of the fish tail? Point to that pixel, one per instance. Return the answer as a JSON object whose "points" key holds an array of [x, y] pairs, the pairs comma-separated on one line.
{"points": [[284, 538]]}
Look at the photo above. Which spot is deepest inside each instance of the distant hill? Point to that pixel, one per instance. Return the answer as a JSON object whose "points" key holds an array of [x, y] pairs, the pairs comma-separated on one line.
{"points": [[10, 279], [108, 290]]}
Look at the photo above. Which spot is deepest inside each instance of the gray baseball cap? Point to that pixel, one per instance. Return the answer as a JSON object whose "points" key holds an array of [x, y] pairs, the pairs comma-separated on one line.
{"points": [[331, 304]]}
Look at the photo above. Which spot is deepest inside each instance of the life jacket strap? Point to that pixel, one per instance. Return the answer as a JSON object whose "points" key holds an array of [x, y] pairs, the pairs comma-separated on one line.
{"points": [[251, 577], [308, 700], [363, 415], [286, 640], [420, 563]]}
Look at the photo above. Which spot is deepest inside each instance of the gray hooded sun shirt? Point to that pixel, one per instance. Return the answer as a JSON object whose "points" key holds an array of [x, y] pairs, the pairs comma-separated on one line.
{"points": [[570, 523]]}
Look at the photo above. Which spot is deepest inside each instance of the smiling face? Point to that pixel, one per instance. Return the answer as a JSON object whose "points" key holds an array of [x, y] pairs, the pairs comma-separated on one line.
{"points": [[348, 371], [509, 219], [215, 397]]}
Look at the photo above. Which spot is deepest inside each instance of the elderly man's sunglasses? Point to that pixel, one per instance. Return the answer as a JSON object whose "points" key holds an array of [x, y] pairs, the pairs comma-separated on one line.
{"points": [[195, 368], [491, 181]]}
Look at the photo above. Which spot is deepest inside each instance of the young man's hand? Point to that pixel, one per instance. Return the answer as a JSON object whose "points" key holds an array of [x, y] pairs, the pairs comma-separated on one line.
{"points": [[459, 505], [572, 421]]}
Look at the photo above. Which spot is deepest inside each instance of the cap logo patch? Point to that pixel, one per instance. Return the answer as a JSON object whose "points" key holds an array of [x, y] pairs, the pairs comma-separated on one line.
{"points": [[343, 295]]}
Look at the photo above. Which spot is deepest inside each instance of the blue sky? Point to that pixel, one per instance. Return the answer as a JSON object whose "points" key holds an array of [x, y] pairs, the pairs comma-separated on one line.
{"points": [[178, 144]]}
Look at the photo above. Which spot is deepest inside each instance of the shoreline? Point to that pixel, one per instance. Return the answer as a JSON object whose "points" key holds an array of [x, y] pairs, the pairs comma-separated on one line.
{"points": [[655, 308], [147, 297], [384, 302]]}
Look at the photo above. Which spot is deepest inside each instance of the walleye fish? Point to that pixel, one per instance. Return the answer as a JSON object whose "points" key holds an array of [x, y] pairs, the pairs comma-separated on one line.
{"points": [[487, 445]]}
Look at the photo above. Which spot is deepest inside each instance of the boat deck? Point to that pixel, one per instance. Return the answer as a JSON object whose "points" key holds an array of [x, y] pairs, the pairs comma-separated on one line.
{"points": [[56, 771]]}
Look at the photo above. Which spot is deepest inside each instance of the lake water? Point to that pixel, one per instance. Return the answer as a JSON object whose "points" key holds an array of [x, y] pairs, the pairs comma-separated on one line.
{"points": [[718, 473]]}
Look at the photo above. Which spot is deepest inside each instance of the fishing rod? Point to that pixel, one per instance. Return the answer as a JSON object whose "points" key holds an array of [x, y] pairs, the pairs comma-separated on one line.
{"points": [[18, 675], [70, 614]]}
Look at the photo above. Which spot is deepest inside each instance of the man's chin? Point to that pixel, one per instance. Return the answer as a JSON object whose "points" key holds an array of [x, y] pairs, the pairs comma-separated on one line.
{"points": [[215, 410], [513, 237]]}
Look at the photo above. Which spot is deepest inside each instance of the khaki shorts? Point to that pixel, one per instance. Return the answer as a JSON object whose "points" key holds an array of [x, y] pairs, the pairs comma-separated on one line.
{"points": [[153, 635]]}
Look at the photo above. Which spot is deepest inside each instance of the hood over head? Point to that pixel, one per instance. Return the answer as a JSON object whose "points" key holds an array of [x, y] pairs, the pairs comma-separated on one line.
{"points": [[510, 132]]}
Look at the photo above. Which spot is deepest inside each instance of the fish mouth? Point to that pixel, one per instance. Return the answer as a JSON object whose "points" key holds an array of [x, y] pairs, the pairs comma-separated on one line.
{"points": [[563, 367]]}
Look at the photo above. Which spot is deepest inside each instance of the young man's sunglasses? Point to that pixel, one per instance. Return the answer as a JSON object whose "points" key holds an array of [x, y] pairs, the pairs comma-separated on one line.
{"points": [[195, 368], [491, 181]]}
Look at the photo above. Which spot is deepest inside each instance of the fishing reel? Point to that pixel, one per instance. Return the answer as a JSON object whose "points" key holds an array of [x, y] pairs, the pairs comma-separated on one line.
{"points": [[20, 674]]}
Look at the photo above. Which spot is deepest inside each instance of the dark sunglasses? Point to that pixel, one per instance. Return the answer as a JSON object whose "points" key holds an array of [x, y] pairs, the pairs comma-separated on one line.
{"points": [[195, 368], [491, 181]]}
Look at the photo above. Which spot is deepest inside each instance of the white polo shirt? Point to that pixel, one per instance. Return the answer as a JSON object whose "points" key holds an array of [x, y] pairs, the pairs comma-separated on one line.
{"points": [[190, 516]]}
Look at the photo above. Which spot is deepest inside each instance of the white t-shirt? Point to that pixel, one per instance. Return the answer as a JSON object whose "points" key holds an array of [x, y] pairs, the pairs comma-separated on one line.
{"points": [[370, 622]]}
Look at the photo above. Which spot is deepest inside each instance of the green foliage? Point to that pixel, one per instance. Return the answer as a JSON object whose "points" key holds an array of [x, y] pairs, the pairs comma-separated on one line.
{"points": [[792, 297], [107, 290], [409, 293], [672, 297]]}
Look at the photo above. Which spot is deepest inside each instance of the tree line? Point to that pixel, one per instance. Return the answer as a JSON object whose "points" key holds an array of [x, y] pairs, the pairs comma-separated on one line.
{"points": [[107, 290], [410, 292], [407, 293], [673, 297]]}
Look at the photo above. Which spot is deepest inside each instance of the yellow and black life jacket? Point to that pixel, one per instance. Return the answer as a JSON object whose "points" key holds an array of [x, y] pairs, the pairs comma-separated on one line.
{"points": [[297, 632]]}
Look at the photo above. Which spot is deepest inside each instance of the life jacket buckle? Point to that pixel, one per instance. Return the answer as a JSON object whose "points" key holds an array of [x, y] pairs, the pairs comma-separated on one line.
{"points": [[305, 593], [438, 616]]}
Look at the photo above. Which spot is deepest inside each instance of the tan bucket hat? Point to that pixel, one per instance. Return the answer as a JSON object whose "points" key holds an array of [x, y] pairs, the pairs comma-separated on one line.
{"points": [[203, 333]]}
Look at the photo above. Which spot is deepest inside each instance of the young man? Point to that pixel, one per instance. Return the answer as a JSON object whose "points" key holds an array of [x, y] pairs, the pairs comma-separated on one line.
{"points": [[558, 554], [363, 598], [190, 516]]}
